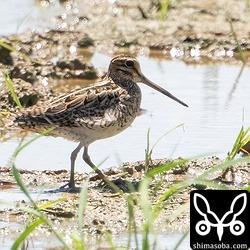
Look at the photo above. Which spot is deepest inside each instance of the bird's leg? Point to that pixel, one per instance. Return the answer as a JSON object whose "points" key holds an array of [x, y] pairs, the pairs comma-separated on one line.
{"points": [[73, 156], [87, 159], [72, 165]]}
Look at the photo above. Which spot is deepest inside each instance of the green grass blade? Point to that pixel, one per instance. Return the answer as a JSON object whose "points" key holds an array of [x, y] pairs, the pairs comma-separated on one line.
{"points": [[132, 222], [147, 212], [224, 165], [12, 90], [247, 188], [110, 241], [145, 239], [165, 167], [21, 147], [164, 7], [237, 145], [51, 203], [21, 185], [178, 212], [77, 241], [6, 46], [130, 219], [239, 47], [39, 214], [201, 179], [14, 169], [11, 48], [159, 206], [82, 204], [77, 238], [144, 200], [149, 152], [2, 123], [22, 20], [29, 229], [181, 240], [178, 126]]}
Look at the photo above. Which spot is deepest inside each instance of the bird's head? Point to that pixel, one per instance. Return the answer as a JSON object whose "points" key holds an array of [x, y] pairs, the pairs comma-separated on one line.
{"points": [[127, 69]]}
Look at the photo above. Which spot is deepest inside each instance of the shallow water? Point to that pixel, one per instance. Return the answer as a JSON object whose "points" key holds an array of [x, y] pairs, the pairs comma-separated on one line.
{"points": [[17, 16], [16, 195], [164, 241], [217, 101]]}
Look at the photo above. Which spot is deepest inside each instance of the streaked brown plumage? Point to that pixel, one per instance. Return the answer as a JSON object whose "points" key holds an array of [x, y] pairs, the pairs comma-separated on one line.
{"points": [[96, 112]]}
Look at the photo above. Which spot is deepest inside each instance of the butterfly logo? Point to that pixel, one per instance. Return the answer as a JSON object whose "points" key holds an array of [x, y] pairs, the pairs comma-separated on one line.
{"points": [[203, 227]]}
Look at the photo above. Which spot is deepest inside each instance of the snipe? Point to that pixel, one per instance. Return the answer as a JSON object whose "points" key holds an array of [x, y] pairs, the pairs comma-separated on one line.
{"points": [[94, 112]]}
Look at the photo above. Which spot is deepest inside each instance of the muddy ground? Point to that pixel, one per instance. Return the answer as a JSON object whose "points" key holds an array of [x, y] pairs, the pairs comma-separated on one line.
{"points": [[107, 212], [37, 62]]}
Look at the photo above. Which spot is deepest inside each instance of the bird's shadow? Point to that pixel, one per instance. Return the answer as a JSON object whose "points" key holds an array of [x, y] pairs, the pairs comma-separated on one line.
{"points": [[124, 185], [63, 190]]}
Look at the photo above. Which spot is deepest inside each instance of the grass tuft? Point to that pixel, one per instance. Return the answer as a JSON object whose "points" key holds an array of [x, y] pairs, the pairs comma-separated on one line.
{"points": [[164, 8], [12, 90], [149, 151], [242, 139]]}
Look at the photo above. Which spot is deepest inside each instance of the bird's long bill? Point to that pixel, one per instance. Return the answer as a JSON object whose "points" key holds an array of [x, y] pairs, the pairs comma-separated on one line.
{"points": [[160, 89]]}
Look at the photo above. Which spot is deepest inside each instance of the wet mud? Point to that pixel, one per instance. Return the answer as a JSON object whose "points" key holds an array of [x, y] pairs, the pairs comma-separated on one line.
{"points": [[107, 212]]}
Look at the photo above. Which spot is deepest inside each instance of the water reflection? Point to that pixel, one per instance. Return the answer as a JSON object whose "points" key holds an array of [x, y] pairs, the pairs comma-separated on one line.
{"points": [[210, 86], [235, 85], [210, 94]]}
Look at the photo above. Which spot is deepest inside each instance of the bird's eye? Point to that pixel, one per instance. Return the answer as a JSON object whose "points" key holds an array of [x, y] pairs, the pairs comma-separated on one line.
{"points": [[129, 63]]}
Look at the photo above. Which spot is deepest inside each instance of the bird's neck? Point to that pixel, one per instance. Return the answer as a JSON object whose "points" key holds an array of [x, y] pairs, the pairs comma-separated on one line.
{"points": [[125, 83]]}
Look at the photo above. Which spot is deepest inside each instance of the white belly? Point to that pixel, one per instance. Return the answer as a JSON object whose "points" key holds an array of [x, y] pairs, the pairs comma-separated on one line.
{"points": [[94, 130]]}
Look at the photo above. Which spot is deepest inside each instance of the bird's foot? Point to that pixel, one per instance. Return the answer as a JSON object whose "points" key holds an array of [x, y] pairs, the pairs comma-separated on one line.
{"points": [[229, 175], [70, 187]]}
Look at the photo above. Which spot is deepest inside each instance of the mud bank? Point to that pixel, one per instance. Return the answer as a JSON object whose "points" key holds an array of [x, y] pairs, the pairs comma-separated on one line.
{"points": [[108, 212]]}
